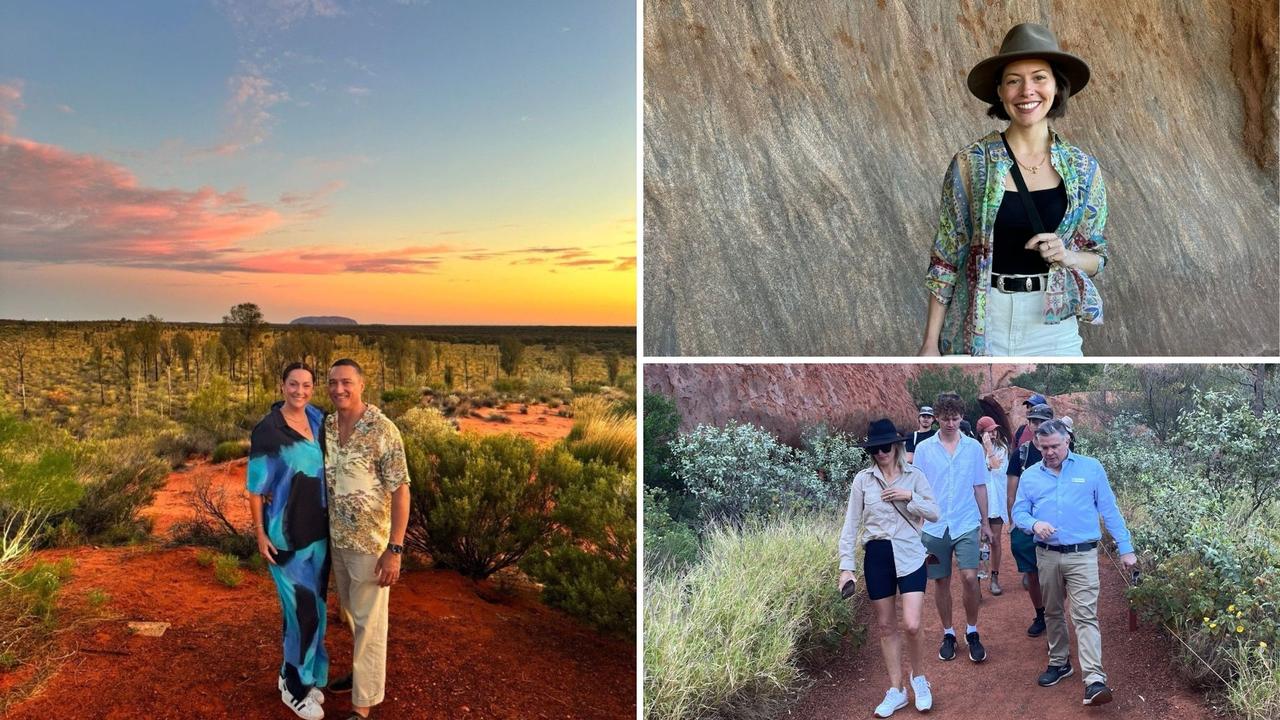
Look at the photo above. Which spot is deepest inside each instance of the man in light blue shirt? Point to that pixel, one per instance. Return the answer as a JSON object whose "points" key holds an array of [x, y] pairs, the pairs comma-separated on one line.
{"points": [[956, 466], [1059, 501]]}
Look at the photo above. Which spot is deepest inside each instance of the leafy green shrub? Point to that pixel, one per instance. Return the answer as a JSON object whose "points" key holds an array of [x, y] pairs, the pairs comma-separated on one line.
{"points": [[176, 445], [477, 506], [586, 388], [588, 567], [661, 423], [544, 385], [668, 543], [425, 422], [212, 411], [230, 450], [120, 478], [226, 568], [205, 557], [33, 592], [740, 471], [729, 634], [508, 385], [397, 395], [930, 381]]}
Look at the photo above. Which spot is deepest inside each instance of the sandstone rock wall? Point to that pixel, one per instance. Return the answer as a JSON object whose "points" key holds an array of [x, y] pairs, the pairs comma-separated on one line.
{"points": [[789, 398], [794, 153]]}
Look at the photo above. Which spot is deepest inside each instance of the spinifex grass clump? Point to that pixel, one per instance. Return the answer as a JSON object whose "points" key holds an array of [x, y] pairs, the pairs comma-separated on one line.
{"points": [[226, 568], [730, 633]]}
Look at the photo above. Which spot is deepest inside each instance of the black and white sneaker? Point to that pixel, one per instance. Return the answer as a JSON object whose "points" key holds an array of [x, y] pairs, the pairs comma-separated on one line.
{"points": [[948, 649], [1097, 694], [315, 693], [977, 653], [1053, 674], [306, 708]]}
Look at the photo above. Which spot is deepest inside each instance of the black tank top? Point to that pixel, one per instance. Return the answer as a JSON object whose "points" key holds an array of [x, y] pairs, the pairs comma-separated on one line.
{"points": [[1013, 230]]}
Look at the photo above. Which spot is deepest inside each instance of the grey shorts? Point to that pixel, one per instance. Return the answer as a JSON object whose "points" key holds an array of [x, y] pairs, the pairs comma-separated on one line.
{"points": [[965, 548]]}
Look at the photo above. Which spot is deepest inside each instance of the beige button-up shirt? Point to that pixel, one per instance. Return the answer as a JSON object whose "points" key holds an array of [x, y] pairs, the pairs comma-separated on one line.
{"points": [[883, 522], [361, 476]]}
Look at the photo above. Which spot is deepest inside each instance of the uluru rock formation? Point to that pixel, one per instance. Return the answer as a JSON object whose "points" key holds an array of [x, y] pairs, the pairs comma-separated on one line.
{"points": [[794, 153]]}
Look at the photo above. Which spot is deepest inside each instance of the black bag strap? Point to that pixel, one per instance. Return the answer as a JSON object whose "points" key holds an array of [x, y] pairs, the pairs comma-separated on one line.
{"points": [[1030, 206], [895, 504]]}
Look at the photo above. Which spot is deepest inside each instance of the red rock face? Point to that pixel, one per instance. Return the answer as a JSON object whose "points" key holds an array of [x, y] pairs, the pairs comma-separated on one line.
{"points": [[789, 398]]}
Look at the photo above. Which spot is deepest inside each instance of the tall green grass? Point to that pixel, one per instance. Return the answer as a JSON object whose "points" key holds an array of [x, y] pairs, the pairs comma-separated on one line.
{"points": [[1255, 692], [730, 634]]}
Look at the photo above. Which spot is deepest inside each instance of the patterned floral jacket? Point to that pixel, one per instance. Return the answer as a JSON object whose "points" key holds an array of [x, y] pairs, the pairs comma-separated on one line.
{"points": [[971, 195]]}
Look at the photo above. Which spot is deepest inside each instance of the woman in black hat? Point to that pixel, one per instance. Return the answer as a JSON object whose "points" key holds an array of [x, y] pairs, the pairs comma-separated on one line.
{"points": [[891, 500], [1021, 229]]}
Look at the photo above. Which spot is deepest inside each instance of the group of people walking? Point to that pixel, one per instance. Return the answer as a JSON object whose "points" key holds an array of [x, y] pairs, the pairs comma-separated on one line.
{"points": [[935, 495], [329, 492]]}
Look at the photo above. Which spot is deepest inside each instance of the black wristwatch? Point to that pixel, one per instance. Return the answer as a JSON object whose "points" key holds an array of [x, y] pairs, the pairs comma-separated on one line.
{"points": [[395, 549]]}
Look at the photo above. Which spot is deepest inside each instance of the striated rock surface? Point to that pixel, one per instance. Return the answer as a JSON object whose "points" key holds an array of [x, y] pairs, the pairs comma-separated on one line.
{"points": [[789, 398], [794, 153]]}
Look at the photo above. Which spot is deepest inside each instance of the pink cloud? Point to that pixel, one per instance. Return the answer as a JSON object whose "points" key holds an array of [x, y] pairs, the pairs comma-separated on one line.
{"points": [[10, 104], [626, 263], [583, 263], [325, 261]]}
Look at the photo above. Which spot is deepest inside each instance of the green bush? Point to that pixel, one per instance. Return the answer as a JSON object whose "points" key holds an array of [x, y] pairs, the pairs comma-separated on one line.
{"points": [[544, 385], [668, 543], [226, 568], [740, 471], [212, 411], [586, 388], [729, 635], [930, 381], [661, 424], [205, 557], [398, 395], [230, 450], [588, 567], [477, 505], [508, 385], [175, 445], [120, 478]]}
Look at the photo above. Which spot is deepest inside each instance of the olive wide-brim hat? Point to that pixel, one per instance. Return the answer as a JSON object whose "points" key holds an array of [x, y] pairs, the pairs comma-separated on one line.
{"points": [[1023, 42]]}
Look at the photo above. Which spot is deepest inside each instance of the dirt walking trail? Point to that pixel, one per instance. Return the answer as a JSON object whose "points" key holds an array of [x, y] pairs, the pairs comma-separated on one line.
{"points": [[456, 649], [1137, 666]]}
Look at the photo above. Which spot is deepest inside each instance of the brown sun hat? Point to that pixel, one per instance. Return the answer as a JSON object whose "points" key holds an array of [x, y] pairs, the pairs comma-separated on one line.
{"points": [[1025, 41]]}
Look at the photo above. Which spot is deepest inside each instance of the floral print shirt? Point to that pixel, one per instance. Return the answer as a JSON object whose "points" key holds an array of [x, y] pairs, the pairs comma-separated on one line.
{"points": [[959, 273], [361, 476]]}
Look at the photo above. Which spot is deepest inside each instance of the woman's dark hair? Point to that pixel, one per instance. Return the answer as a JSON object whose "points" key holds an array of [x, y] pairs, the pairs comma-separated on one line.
{"points": [[1056, 110], [284, 376]]}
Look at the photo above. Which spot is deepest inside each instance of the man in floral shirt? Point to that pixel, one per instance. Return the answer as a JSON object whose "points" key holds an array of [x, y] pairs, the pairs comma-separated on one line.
{"points": [[368, 482]]}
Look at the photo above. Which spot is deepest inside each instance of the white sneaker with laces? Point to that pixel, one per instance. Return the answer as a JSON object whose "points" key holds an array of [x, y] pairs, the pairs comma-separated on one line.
{"points": [[924, 696], [306, 708], [315, 693], [895, 699]]}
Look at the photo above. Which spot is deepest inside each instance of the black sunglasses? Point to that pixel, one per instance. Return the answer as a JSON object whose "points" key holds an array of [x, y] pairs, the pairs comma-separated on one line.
{"points": [[877, 449]]}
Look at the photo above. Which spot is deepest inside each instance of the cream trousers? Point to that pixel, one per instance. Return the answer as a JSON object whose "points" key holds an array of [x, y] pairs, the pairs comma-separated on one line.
{"points": [[364, 608]]}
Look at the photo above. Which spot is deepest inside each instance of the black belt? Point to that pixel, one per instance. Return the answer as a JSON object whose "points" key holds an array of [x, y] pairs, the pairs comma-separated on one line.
{"points": [[1017, 283], [1079, 547]]}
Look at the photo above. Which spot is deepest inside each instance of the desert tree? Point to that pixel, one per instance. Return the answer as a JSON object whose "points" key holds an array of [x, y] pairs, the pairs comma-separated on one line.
{"points": [[185, 347], [246, 319], [96, 361], [569, 361], [510, 352], [612, 364]]}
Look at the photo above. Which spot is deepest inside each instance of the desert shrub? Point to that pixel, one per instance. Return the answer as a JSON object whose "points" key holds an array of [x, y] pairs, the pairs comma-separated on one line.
{"points": [[544, 385], [740, 471], [230, 450], [477, 506], [834, 456], [932, 380], [668, 543], [38, 480], [1238, 447], [175, 445], [508, 385], [397, 395], [592, 406], [425, 422], [588, 566], [586, 388], [226, 568], [604, 437], [97, 597], [210, 525], [120, 478], [497, 417], [205, 557], [28, 610], [730, 634], [661, 423], [212, 411]]}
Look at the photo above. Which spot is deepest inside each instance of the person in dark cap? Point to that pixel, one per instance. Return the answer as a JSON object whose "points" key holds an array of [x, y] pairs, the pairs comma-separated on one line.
{"points": [[924, 430], [1023, 434], [891, 500], [1020, 234], [1020, 543]]}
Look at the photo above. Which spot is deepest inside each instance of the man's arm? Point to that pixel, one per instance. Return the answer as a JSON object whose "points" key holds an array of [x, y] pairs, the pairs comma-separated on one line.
{"points": [[1105, 500]]}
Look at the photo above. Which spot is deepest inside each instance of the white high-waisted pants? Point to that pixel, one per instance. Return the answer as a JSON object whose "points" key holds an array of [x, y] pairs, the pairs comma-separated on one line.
{"points": [[1015, 326]]}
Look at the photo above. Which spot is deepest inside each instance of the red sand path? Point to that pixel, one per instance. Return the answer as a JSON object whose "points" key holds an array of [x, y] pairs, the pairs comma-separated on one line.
{"points": [[541, 423], [1137, 665]]}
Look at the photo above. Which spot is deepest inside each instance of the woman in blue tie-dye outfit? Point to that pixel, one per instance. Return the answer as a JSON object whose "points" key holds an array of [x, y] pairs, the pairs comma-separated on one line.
{"points": [[288, 497]]}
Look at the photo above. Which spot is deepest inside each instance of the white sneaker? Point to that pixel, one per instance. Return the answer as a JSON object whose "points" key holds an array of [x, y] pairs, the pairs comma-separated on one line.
{"points": [[315, 693], [306, 708], [924, 696], [895, 699]]}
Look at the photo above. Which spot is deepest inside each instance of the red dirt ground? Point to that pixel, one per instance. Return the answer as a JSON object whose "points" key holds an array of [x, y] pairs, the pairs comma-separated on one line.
{"points": [[455, 650], [172, 502], [541, 423], [1137, 666]]}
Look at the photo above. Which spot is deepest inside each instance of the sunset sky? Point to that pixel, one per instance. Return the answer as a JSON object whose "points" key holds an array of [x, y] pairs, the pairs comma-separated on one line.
{"points": [[394, 161]]}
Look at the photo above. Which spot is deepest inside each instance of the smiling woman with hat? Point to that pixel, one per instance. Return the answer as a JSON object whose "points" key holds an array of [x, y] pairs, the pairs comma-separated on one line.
{"points": [[891, 499], [1023, 211]]}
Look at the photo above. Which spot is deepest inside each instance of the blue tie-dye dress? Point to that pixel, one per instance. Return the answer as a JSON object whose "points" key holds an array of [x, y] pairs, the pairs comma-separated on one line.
{"points": [[290, 468]]}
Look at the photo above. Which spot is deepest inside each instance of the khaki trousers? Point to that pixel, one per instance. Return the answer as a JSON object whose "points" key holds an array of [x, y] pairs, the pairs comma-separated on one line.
{"points": [[364, 608], [1073, 576]]}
